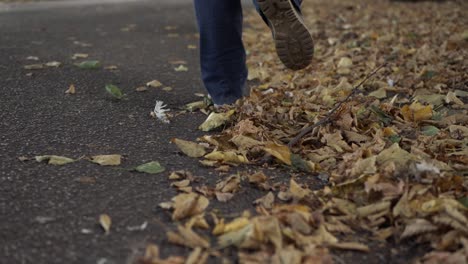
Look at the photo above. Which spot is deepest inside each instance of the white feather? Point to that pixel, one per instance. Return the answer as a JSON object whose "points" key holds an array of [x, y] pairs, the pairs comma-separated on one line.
{"points": [[160, 111]]}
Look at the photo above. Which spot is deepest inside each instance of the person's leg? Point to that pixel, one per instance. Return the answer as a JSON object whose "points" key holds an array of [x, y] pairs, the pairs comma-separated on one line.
{"points": [[222, 54], [293, 42]]}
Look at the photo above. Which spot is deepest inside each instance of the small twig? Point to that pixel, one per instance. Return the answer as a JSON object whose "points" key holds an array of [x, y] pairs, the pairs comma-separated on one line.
{"points": [[328, 117]]}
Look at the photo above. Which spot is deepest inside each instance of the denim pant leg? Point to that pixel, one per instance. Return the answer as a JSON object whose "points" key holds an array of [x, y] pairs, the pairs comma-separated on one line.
{"points": [[222, 53], [297, 3]]}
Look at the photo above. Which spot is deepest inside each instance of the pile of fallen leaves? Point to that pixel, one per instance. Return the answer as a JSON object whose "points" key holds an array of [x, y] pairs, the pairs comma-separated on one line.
{"points": [[394, 156]]}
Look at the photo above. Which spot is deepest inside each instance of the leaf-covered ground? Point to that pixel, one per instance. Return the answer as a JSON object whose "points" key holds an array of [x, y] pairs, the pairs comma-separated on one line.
{"points": [[393, 158]]}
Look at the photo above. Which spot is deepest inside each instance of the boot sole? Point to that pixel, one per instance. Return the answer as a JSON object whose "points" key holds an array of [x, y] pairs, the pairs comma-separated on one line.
{"points": [[293, 42]]}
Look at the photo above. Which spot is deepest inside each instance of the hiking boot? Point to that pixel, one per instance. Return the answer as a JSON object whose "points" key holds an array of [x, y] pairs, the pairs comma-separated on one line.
{"points": [[293, 42]]}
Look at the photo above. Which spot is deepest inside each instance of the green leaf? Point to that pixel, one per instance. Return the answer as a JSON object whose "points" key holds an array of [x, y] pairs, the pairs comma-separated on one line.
{"points": [[430, 130], [383, 117], [437, 116], [299, 164], [464, 201], [394, 138], [152, 167], [91, 64], [114, 91], [54, 160], [427, 75]]}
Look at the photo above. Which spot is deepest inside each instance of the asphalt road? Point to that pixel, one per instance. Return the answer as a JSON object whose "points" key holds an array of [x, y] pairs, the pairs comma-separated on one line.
{"points": [[44, 209]]}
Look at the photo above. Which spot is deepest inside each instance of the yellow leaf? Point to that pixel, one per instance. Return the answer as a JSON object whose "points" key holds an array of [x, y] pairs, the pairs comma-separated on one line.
{"points": [[230, 184], [266, 201], [79, 56], [227, 157], [232, 226], [105, 222], [375, 208], [107, 160], [416, 112], [198, 221], [418, 226], [320, 236], [181, 68], [281, 152], [297, 191], [188, 204], [394, 154], [216, 120], [345, 62], [181, 174], [181, 184], [54, 160], [187, 237], [71, 89], [189, 148], [350, 246], [197, 256], [258, 177], [364, 166], [151, 252], [154, 84], [289, 255], [336, 141], [235, 238], [267, 228], [344, 206], [223, 197]]}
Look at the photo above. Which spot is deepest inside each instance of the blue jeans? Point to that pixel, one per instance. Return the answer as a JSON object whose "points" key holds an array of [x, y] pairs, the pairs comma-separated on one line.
{"points": [[222, 53]]}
